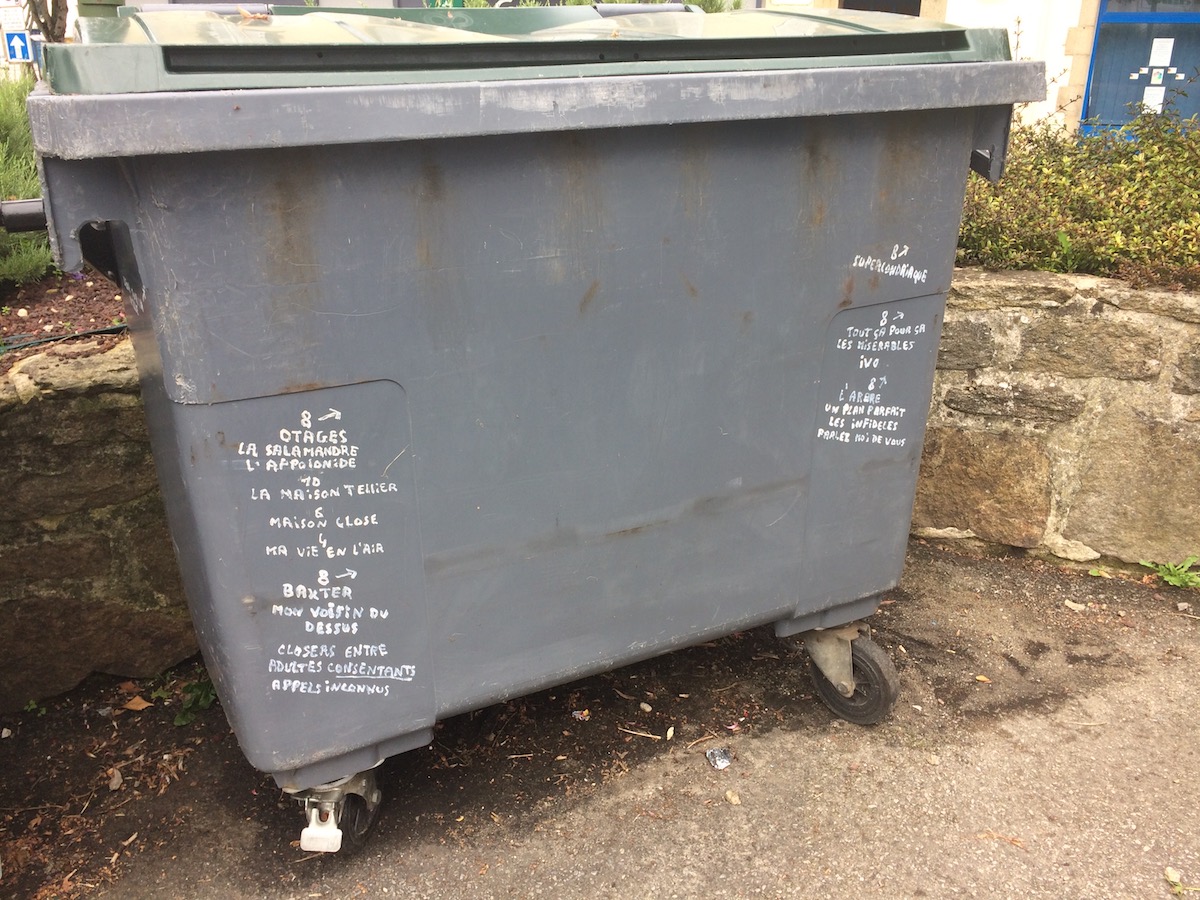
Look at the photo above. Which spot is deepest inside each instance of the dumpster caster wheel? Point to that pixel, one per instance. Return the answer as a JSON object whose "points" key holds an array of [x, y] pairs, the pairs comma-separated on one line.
{"points": [[875, 688], [356, 817], [340, 815]]}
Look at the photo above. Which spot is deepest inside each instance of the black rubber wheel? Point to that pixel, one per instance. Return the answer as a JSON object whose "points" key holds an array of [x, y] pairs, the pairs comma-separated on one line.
{"points": [[876, 685], [356, 821]]}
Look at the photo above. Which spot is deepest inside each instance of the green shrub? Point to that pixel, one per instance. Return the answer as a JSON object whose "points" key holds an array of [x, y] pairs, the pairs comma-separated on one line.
{"points": [[23, 257], [1123, 203]]}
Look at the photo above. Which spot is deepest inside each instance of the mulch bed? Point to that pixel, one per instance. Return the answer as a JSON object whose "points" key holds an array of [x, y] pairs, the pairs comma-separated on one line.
{"points": [[78, 308]]}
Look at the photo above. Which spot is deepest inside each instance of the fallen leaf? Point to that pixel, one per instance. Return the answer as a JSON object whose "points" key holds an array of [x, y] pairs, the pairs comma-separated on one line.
{"points": [[671, 732], [115, 779], [137, 704], [129, 687]]}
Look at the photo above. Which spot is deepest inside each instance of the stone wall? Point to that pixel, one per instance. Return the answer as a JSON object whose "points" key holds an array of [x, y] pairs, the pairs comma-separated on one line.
{"points": [[88, 581], [1065, 419]]}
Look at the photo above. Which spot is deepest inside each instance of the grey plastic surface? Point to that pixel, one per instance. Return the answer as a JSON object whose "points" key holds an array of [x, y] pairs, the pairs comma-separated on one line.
{"points": [[460, 395]]}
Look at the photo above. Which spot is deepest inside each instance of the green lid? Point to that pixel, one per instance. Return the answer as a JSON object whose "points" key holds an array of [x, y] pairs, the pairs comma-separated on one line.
{"points": [[187, 49]]}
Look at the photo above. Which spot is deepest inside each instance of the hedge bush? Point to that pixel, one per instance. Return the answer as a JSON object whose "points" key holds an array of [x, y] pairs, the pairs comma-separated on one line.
{"points": [[23, 257], [1123, 203]]}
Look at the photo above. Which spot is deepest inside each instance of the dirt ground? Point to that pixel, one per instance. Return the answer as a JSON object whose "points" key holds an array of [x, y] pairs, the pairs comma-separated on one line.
{"points": [[83, 308], [1044, 745]]}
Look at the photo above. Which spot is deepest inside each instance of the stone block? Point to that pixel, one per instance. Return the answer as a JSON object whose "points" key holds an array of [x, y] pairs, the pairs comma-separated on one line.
{"points": [[966, 344], [1089, 347], [56, 638], [1024, 403], [1137, 488], [73, 453], [1187, 374], [1179, 305], [996, 485], [982, 290]]}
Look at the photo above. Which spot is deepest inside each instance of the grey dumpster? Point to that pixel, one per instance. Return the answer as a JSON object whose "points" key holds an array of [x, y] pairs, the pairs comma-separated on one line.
{"points": [[482, 354]]}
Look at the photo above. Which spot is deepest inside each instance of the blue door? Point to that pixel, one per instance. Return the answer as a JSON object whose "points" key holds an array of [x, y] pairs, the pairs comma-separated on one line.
{"points": [[1146, 55]]}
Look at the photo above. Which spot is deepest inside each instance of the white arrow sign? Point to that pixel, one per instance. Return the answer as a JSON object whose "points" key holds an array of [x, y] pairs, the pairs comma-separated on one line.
{"points": [[17, 44]]}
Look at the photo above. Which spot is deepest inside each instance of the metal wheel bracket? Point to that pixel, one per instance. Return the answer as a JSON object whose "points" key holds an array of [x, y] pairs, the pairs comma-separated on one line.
{"points": [[322, 805], [829, 649]]}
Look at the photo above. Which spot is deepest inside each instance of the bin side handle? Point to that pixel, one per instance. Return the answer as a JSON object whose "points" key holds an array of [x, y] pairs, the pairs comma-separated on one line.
{"points": [[990, 145], [23, 215]]}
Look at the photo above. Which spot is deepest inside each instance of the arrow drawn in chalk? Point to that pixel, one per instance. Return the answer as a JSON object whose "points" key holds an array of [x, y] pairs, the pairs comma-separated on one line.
{"points": [[332, 414]]}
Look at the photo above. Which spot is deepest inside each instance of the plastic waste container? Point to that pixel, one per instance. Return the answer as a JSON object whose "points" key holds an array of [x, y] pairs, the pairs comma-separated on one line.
{"points": [[486, 349]]}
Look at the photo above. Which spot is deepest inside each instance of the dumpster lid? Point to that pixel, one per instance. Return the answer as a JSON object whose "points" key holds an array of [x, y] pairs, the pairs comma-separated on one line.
{"points": [[288, 46]]}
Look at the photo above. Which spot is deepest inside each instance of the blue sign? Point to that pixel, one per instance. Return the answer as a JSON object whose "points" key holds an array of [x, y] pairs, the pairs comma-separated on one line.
{"points": [[18, 46]]}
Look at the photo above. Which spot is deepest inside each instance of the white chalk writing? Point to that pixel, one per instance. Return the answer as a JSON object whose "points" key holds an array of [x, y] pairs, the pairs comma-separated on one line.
{"points": [[331, 639]]}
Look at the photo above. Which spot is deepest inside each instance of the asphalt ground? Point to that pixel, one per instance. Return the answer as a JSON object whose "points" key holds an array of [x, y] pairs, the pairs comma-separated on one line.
{"points": [[1044, 745]]}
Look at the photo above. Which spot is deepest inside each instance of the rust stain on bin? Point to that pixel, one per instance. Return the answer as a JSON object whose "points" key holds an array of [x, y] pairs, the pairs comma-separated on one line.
{"points": [[818, 214], [578, 225], [430, 213], [589, 296], [847, 293], [695, 181]]}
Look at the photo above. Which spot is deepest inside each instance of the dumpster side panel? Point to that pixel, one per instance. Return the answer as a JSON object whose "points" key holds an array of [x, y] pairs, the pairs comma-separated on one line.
{"points": [[312, 560], [594, 366]]}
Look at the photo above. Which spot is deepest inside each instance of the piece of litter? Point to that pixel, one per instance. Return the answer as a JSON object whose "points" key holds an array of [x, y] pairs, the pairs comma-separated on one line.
{"points": [[733, 798], [671, 732], [645, 707], [6, 733], [983, 679], [1077, 607], [582, 714], [719, 757], [918, 707]]}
